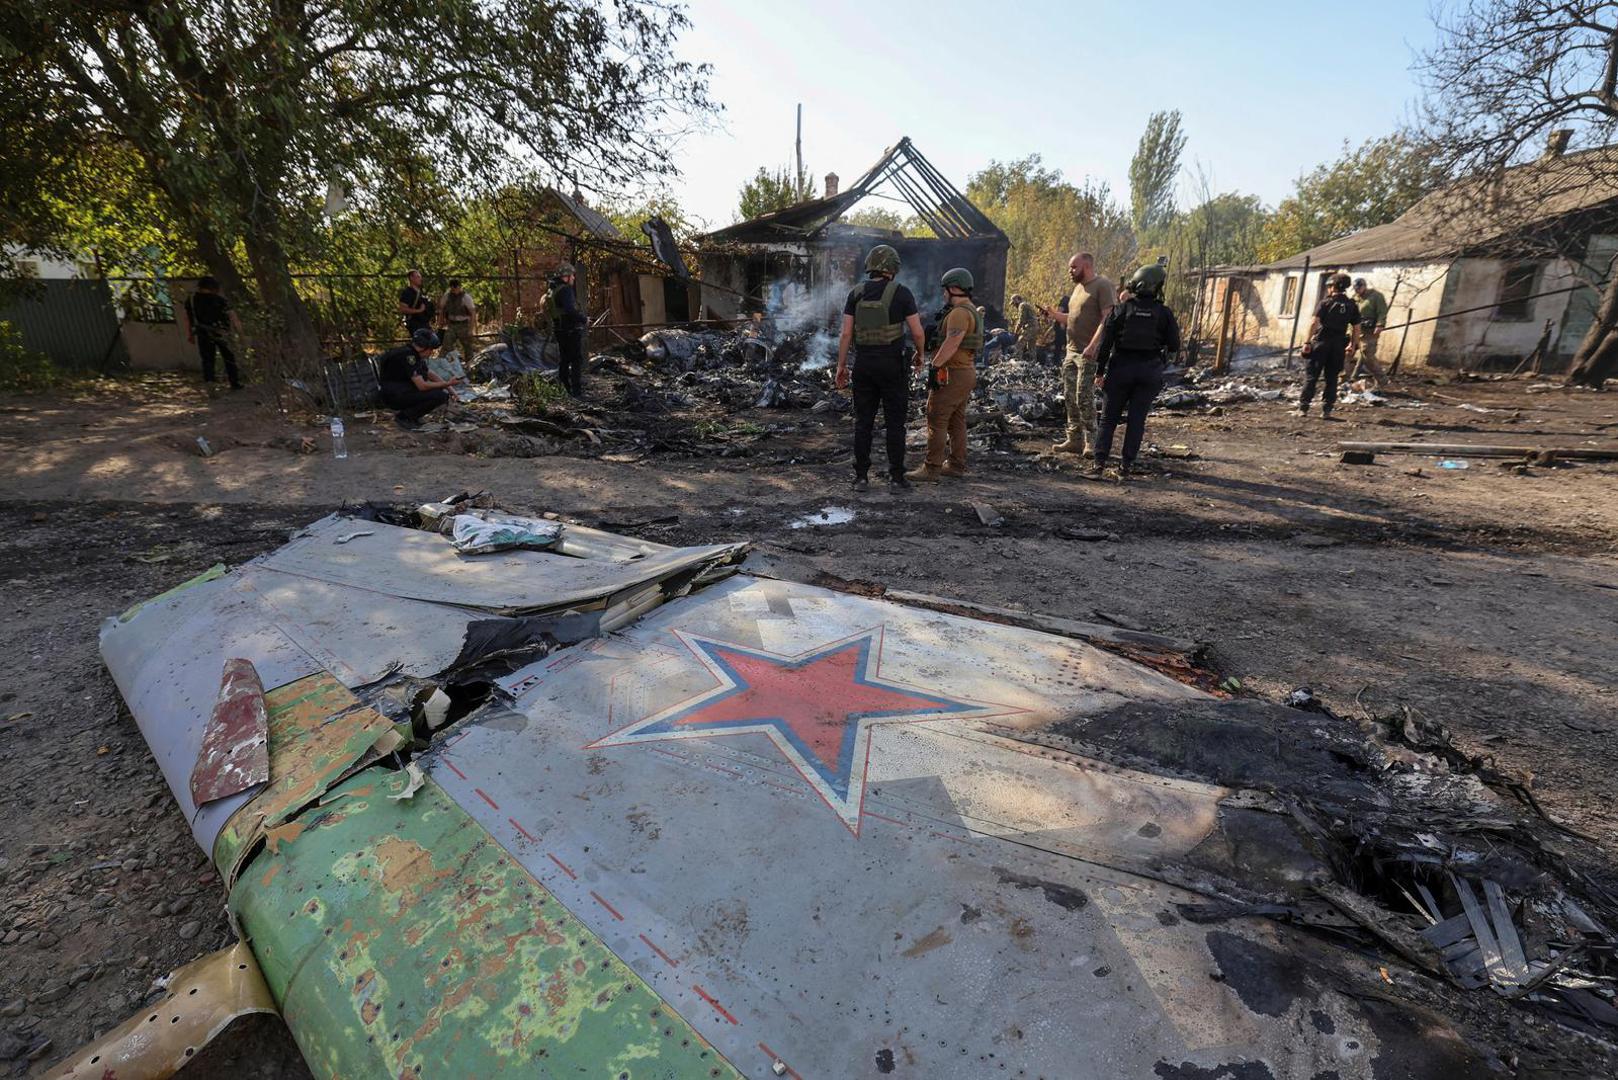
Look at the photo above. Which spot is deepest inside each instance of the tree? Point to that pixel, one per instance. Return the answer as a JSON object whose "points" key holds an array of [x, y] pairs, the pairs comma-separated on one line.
{"points": [[1153, 172], [1047, 219], [240, 115], [769, 191], [880, 217], [1501, 78], [1367, 185]]}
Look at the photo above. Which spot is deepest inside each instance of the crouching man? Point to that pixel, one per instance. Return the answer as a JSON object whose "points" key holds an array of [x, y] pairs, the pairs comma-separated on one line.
{"points": [[407, 386]]}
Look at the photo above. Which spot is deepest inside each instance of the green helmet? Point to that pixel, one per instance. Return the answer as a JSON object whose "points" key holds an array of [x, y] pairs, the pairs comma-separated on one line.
{"points": [[1148, 280], [958, 278], [882, 260]]}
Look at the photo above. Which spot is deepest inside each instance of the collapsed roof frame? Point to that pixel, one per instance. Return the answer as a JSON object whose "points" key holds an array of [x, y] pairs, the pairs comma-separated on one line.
{"points": [[940, 205]]}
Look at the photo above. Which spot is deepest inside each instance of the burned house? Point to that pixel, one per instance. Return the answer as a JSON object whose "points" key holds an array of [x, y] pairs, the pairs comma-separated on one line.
{"points": [[805, 257], [1476, 274], [625, 290]]}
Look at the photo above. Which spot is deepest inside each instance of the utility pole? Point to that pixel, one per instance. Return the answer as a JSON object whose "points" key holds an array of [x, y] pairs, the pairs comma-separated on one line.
{"points": [[798, 153]]}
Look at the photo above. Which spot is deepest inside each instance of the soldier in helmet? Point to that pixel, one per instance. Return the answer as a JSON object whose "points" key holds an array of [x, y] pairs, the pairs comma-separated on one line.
{"points": [[1027, 327], [1135, 345], [1333, 333], [960, 335], [567, 323], [878, 315]]}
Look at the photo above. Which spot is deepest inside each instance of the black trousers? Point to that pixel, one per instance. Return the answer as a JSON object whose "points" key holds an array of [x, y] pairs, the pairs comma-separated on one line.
{"points": [[1325, 359], [571, 370], [208, 347], [410, 403], [1132, 384], [884, 384]]}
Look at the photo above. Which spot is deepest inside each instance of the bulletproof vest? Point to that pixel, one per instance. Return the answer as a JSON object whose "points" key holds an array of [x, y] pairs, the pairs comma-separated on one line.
{"points": [[871, 325], [1337, 313], [972, 342], [456, 305], [1140, 329]]}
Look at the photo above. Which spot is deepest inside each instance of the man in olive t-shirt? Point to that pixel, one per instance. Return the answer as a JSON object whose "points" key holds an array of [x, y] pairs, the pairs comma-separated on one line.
{"points": [[1087, 310], [1373, 320]]}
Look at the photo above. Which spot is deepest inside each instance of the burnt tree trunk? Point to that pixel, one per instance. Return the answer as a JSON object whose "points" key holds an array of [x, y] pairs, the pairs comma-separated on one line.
{"points": [[1596, 360]]}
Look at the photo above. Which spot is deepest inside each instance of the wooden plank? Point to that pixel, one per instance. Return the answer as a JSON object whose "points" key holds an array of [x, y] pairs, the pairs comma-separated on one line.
{"points": [[1482, 450], [1049, 624]]}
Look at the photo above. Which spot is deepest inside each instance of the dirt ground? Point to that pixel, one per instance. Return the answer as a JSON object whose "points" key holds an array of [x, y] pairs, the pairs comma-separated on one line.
{"points": [[1484, 597]]}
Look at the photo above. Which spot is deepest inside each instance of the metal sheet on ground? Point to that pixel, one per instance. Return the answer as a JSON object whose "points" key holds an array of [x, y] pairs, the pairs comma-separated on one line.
{"points": [[419, 565], [166, 661], [789, 811], [359, 635], [402, 941]]}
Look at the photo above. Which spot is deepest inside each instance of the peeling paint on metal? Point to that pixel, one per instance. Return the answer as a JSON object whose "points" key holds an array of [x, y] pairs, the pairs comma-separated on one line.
{"points": [[235, 745], [401, 939], [204, 997], [319, 732]]}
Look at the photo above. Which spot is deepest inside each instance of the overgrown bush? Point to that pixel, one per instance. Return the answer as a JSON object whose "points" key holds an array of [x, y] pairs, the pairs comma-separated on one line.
{"points": [[534, 394], [23, 371]]}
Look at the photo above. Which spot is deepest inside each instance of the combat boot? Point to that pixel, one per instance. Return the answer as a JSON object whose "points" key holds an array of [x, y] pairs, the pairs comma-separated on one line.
{"points": [[927, 474], [1069, 445], [951, 469]]}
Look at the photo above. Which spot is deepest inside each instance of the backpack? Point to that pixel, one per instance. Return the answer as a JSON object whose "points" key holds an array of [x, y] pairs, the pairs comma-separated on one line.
{"points": [[1336, 314], [1140, 329]]}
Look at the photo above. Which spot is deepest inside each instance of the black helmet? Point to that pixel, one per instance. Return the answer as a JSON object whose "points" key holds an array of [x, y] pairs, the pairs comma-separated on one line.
{"points": [[1340, 281], [424, 339], [1148, 280]]}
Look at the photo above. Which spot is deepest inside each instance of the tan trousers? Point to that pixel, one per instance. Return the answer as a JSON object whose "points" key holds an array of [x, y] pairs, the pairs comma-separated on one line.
{"points": [[1079, 390], [459, 333], [1367, 356], [946, 418]]}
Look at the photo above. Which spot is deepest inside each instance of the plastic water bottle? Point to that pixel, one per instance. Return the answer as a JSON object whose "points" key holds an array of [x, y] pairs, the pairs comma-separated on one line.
{"points": [[339, 447]]}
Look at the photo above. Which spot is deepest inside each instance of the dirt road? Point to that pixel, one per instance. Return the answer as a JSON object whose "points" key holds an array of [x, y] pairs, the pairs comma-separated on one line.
{"points": [[1483, 597]]}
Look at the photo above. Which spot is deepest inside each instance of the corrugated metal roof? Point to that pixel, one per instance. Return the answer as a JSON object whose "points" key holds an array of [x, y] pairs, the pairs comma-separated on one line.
{"points": [[590, 219], [1474, 213]]}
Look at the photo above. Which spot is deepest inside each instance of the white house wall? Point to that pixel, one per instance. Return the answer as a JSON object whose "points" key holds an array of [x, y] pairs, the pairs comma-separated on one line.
{"points": [[1468, 338]]}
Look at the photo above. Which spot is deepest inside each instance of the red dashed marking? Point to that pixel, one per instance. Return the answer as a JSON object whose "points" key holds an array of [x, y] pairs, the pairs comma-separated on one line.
{"points": [[485, 797], [889, 820], [566, 869], [667, 959], [718, 1008], [522, 830], [784, 787], [451, 766], [721, 768], [774, 1057], [669, 753], [610, 909]]}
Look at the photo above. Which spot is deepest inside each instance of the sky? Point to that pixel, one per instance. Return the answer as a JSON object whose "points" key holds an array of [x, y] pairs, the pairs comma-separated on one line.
{"points": [[1267, 90]]}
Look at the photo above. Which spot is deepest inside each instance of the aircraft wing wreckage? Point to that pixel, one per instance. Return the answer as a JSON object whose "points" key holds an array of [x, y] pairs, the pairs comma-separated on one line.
{"points": [[615, 809]]}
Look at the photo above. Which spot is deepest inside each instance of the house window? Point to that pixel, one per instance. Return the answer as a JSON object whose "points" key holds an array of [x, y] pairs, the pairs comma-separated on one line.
{"points": [[1289, 295], [1516, 291]]}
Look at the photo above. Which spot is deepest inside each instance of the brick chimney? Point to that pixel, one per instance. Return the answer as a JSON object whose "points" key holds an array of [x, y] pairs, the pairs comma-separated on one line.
{"points": [[831, 184], [1556, 144]]}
